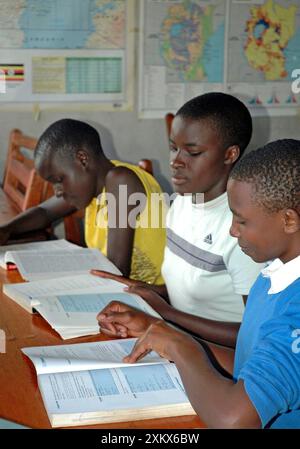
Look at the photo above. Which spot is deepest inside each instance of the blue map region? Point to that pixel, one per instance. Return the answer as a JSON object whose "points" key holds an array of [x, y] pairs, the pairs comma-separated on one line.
{"points": [[93, 302], [260, 27], [59, 24], [213, 56], [292, 54]]}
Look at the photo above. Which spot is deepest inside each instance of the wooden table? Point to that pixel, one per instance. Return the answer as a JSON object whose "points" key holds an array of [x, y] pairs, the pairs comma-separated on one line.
{"points": [[20, 398]]}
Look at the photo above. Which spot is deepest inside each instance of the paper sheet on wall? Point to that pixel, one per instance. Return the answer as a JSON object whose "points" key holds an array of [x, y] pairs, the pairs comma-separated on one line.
{"points": [[72, 51], [248, 48]]}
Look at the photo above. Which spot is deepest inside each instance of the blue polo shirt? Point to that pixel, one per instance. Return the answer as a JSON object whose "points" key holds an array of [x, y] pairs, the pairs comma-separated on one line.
{"points": [[267, 356]]}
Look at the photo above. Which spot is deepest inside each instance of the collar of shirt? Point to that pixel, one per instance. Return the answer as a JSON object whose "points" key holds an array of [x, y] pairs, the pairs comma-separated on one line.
{"points": [[282, 274]]}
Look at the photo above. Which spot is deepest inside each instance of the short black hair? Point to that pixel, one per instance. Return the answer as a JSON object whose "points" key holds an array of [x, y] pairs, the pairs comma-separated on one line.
{"points": [[66, 136], [228, 115], [274, 172]]}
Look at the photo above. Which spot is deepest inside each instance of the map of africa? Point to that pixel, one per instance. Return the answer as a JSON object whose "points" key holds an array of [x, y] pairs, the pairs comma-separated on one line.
{"points": [[68, 24]]}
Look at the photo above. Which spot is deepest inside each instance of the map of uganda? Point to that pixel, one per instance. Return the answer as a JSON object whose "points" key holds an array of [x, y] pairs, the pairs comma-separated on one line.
{"points": [[187, 36], [269, 31]]}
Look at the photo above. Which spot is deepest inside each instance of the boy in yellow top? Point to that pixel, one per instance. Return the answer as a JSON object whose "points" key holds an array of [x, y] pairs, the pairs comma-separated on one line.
{"points": [[69, 155], [147, 257]]}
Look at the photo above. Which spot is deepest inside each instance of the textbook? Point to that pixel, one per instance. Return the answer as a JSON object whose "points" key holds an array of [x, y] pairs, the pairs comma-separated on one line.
{"points": [[29, 294], [50, 245], [70, 305], [88, 383], [76, 315], [41, 264]]}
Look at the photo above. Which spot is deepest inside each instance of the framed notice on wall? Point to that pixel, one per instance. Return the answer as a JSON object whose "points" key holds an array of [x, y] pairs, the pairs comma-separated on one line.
{"points": [[67, 52], [249, 48]]}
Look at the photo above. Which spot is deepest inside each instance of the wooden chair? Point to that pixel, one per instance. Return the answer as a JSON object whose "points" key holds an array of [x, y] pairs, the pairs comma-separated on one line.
{"points": [[23, 186], [168, 121], [21, 182], [146, 164]]}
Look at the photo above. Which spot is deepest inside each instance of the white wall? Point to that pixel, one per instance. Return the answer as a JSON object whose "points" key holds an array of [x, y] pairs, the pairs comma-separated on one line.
{"points": [[128, 138]]}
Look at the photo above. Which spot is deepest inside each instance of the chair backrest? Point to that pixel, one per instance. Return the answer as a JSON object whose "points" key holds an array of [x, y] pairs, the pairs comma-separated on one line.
{"points": [[168, 121], [146, 164], [21, 182]]}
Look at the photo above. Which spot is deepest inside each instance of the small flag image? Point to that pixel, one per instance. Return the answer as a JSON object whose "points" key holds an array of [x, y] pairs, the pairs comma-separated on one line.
{"points": [[2, 82], [13, 72]]}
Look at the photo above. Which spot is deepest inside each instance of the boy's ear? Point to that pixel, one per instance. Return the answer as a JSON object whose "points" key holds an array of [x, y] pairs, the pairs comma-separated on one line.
{"points": [[231, 155], [291, 221], [82, 157]]}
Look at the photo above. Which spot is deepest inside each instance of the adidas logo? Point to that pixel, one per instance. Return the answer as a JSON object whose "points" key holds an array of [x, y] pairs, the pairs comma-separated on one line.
{"points": [[208, 239]]}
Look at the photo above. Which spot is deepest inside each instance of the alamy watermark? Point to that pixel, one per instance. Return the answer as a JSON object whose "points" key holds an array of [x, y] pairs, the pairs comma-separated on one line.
{"points": [[296, 82], [136, 210], [2, 341], [296, 343]]}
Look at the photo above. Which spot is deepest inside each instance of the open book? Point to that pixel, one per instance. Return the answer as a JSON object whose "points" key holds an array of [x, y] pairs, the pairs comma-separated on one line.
{"points": [[7, 252], [34, 265], [29, 294], [71, 304], [88, 384]]}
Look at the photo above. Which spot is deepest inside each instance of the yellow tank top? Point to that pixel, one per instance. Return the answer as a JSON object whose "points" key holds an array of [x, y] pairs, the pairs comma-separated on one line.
{"points": [[149, 241]]}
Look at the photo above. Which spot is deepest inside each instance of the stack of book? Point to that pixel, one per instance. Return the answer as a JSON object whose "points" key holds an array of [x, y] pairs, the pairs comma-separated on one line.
{"points": [[88, 383], [70, 302]]}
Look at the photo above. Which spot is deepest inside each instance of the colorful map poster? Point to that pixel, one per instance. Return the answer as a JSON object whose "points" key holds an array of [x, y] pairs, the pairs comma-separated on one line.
{"points": [[249, 48], [264, 52], [67, 51], [181, 52]]}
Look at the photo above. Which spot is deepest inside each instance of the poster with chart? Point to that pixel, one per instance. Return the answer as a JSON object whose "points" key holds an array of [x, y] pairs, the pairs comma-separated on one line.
{"points": [[67, 51], [249, 48]]}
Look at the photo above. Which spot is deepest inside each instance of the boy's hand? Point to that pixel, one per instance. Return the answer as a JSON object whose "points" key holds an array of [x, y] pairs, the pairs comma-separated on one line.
{"points": [[119, 320], [163, 339]]}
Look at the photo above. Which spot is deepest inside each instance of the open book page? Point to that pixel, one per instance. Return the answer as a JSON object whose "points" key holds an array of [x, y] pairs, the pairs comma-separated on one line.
{"points": [[76, 332], [114, 395], [65, 285], [85, 356], [69, 314], [49, 245], [81, 310], [28, 294], [50, 264]]}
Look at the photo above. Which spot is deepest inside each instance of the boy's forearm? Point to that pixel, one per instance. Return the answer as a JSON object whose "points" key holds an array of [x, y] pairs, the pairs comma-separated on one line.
{"points": [[218, 401], [219, 332], [39, 217], [30, 220], [161, 290]]}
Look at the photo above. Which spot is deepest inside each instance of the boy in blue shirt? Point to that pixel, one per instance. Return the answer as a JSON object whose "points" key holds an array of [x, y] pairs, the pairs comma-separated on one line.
{"points": [[264, 391]]}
